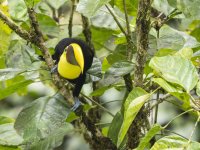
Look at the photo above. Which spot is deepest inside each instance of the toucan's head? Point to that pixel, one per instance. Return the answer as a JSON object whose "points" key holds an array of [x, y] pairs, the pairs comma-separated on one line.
{"points": [[74, 55]]}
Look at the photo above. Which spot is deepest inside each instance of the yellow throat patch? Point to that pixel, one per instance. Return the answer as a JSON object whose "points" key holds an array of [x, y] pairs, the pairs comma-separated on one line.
{"points": [[67, 70]]}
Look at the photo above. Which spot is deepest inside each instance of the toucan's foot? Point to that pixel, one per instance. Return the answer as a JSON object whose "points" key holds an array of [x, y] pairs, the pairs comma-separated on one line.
{"points": [[54, 69], [77, 104]]}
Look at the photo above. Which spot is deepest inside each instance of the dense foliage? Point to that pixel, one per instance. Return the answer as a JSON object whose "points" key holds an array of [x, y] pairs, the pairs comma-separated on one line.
{"points": [[171, 72]]}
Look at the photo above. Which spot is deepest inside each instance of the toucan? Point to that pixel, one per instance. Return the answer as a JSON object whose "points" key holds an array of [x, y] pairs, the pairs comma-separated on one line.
{"points": [[73, 57]]}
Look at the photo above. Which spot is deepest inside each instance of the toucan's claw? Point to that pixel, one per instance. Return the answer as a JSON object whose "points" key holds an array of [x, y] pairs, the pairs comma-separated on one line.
{"points": [[54, 69], [77, 104]]}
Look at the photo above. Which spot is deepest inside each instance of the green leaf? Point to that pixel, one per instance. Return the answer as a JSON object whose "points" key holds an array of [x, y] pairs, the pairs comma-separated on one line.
{"points": [[176, 70], [115, 127], [164, 52], [149, 135], [47, 25], [131, 6], [120, 68], [95, 70], [54, 139], [134, 102], [175, 142], [56, 4], [8, 135], [13, 88], [198, 88], [8, 73], [4, 120], [100, 91], [9, 148], [41, 118], [31, 3], [169, 38], [18, 10], [162, 6], [89, 7], [19, 55], [185, 53]]}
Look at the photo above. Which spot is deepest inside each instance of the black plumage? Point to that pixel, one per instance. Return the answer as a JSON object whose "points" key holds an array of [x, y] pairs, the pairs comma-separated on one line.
{"points": [[88, 55]]}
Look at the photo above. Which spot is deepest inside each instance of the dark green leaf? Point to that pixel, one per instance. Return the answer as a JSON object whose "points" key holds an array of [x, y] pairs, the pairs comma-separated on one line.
{"points": [[4, 120], [8, 135], [120, 68], [115, 127], [41, 118], [100, 91], [13, 88], [176, 69], [149, 135], [89, 7], [134, 102], [95, 71], [9, 148]]}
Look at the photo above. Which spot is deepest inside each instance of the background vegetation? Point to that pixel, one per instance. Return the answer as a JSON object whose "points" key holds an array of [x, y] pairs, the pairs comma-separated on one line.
{"points": [[142, 91]]}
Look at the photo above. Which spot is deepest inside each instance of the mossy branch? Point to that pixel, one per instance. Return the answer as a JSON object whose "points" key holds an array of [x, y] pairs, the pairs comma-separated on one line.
{"points": [[37, 39]]}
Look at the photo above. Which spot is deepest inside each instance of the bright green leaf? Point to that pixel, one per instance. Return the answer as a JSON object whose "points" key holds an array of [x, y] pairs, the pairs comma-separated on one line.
{"points": [[8, 135], [164, 52], [13, 88], [134, 102], [41, 118], [149, 135], [174, 142], [198, 88], [176, 70], [100, 91], [131, 6], [89, 7], [9, 148], [115, 127], [31, 3], [4, 120], [185, 53]]}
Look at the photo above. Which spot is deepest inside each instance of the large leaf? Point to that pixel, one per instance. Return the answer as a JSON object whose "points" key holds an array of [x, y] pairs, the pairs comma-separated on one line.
{"points": [[115, 127], [134, 102], [31, 3], [162, 6], [149, 135], [120, 68], [175, 142], [89, 7], [56, 4], [13, 88], [131, 6], [41, 118], [48, 25], [54, 139], [8, 135], [18, 10], [176, 69]]}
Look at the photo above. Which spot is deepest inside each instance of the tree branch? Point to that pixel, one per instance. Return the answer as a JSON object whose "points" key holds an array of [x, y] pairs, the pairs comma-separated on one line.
{"points": [[38, 40], [71, 18]]}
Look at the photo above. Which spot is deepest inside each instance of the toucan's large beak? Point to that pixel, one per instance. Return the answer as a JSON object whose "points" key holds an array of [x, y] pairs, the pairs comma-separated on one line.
{"points": [[78, 55]]}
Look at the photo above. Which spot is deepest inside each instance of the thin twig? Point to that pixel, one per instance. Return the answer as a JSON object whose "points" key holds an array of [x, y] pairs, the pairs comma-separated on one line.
{"points": [[177, 117], [71, 18], [126, 17], [196, 123], [116, 20], [156, 109]]}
